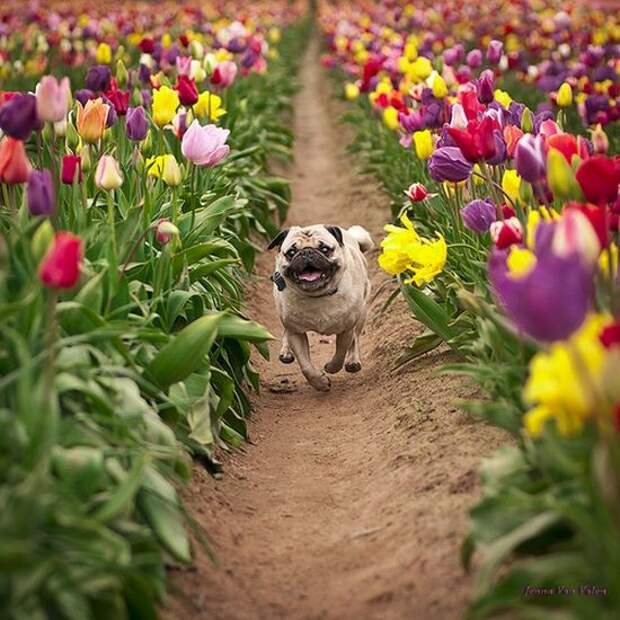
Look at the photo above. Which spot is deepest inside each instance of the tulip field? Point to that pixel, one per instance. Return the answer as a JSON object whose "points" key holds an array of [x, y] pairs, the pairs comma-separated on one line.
{"points": [[138, 143]]}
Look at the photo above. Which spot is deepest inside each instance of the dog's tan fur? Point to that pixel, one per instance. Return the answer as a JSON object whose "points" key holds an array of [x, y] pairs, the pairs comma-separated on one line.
{"points": [[339, 307]]}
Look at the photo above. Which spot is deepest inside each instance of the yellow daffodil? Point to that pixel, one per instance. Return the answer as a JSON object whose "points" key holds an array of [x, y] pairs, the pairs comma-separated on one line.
{"points": [[209, 106], [165, 104], [403, 250]]}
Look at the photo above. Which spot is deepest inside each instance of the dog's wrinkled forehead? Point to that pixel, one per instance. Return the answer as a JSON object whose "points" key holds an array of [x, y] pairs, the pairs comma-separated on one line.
{"points": [[308, 237]]}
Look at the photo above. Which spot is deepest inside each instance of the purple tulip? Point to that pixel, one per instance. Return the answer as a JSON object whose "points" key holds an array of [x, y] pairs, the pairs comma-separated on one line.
{"points": [[136, 125], [112, 115], [448, 164], [494, 51], [485, 87], [40, 193], [551, 301], [478, 215], [18, 117], [451, 56], [146, 97], [83, 95], [515, 111], [98, 78], [474, 58], [144, 74], [529, 157], [411, 122], [501, 151]]}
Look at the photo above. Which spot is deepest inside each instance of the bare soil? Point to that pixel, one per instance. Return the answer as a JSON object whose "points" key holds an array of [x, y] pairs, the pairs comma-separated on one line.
{"points": [[350, 504]]}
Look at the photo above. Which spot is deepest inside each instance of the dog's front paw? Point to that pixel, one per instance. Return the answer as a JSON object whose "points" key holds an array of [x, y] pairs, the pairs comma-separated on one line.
{"points": [[333, 367], [353, 366], [320, 382]]}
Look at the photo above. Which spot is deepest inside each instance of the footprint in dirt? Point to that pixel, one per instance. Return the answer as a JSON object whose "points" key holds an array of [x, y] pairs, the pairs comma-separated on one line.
{"points": [[281, 385]]}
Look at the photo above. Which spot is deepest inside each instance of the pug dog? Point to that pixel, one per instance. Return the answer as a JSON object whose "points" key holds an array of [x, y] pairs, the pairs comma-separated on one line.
{"points": [[321, 284]]}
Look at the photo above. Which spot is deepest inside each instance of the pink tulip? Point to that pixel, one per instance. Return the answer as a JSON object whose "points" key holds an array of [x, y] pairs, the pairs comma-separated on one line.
{"points": [[53, 98], [184, 65], [224, 73], [205, 146]]}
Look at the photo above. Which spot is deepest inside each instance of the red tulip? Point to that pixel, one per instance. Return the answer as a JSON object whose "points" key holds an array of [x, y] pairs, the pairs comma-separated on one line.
{"points": [[610, 335], [186, 87], [477, 142], [14, 164], [417, 192], [71, 169], [119, 99], [147, 45], [506, 233], [599, 178], [60, 267], [598, 218]]}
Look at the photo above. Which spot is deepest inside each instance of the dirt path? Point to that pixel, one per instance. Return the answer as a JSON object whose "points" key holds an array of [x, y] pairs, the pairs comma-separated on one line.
{"points": [[350, 504]]}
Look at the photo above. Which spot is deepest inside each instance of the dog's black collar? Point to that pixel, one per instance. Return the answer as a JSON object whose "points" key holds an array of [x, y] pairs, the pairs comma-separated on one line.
{"points": [[280, 283]]}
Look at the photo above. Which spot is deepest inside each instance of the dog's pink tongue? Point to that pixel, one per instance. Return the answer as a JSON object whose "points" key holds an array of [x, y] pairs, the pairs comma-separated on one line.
{"points": [[310, 276]]}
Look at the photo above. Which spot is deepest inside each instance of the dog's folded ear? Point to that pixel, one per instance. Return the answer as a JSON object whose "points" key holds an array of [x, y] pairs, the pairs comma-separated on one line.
{"points": [[336, 232], [278, 240]]}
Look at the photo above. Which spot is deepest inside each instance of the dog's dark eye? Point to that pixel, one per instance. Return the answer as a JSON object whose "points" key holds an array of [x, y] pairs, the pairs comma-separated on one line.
{"points": [[325, 249], [290, 253]]}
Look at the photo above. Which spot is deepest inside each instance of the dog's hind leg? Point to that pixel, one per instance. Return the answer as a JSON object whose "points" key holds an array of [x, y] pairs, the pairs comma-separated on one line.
{"points": [[286, 355], [353, 362], [343, 343], [301, 349]]}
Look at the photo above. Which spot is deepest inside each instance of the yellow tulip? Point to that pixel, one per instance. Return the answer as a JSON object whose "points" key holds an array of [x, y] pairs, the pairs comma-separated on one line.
{"points": [[423, 143], [164, 167], [209, 106], [165, 104], [390, 118], [565, 95], [511, 183], [351, 91], [104, 54], [440, 90]]}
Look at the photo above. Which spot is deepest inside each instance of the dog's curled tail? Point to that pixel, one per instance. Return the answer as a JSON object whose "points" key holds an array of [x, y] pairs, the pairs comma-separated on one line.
{"points": [[362, 236]]}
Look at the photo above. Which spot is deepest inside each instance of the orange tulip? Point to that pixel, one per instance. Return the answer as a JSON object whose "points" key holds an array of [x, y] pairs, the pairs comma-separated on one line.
{"points": [[91, 120], [14, 164]]}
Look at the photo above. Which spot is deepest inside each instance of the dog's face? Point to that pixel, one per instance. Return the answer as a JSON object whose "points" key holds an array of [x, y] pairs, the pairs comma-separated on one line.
{"points": [[311, 258]]}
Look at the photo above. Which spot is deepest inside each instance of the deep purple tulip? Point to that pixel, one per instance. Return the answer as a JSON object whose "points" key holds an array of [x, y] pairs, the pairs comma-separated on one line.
{"points": [[411, 122], [448, 164], [83, 95], [529, 157], [552, 300], [40, 193], [515, 111], [478, 215], [18, 117], [98, 78], [112, 115], [136, 124], [485, 87], [494, 51], [144, 74]]}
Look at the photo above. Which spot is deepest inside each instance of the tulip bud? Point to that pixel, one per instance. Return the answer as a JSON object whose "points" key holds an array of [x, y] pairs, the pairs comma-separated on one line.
{"points": [[164, 231], [122, 75], [561, 178], [108, 175], [600, 142], [137, 160], [527, 121], [458, 118], [439, 87], [417, 192], [494, 51], [60, 128], [72, 137], [14, 164], [104, 54], [565, 95], [574, 233], [48, 133], [511, 182], [41, 240], [86, 159]]}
